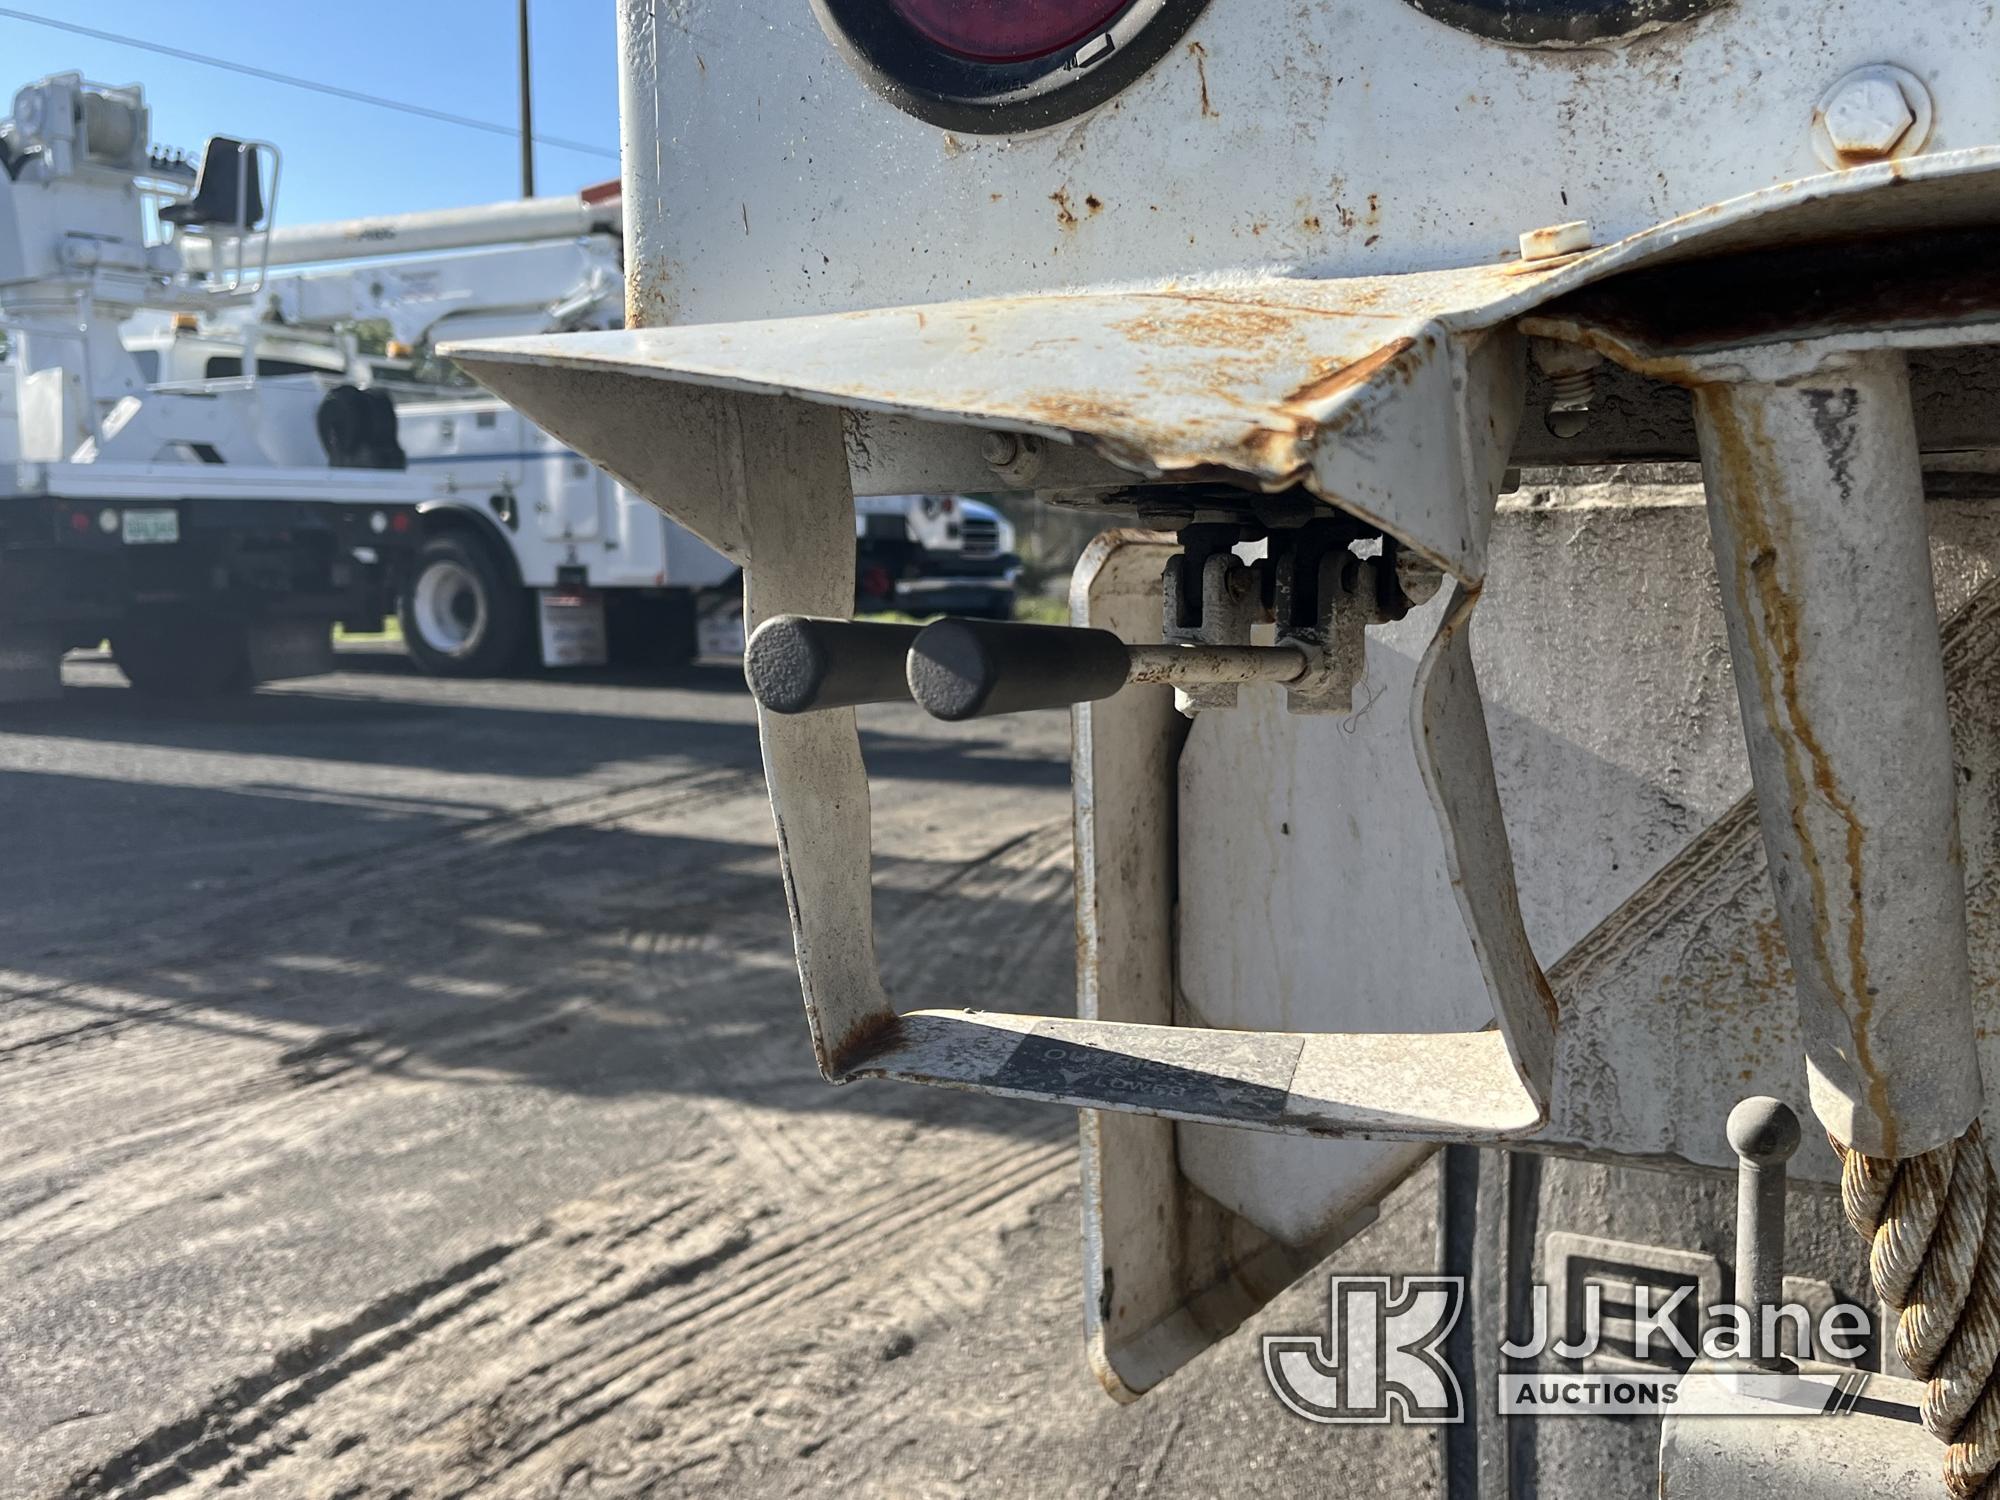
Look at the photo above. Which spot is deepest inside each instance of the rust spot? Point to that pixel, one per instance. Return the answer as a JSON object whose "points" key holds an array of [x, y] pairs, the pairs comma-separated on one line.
{"points": [[646, 302], [1345, 215], [1207, 325], [867, 1038], [1325, 386], [1310, 223], [994, 197], [1200, 55], [1094, 203], [1076, 412], [1064, 217]]}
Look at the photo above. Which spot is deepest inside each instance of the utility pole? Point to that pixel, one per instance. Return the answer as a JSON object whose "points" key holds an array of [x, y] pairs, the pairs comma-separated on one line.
{"points": [[527, 112]]}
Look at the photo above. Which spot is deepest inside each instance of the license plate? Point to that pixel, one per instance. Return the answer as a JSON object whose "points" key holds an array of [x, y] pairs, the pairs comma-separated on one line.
{"points": [[573, 628], [140, 526]]}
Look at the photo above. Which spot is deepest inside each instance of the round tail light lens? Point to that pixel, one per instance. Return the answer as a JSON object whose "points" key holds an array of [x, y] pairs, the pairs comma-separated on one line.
{"points": [[995, 67], [1006, 31]]}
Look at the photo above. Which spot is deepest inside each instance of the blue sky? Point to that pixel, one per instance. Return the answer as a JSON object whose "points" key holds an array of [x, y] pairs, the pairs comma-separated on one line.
{"points": [[343, 158]]}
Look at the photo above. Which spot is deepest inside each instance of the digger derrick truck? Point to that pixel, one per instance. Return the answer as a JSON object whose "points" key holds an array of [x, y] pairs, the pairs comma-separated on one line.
{"points": [[1409, 812]]}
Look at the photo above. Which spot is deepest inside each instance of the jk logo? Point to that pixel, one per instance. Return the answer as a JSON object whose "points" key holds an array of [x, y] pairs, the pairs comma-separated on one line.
{"points": [[1382, 1358]]}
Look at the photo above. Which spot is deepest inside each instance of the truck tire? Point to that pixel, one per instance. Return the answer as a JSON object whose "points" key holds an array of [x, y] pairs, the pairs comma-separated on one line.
{"points": [[650, 634], [180, 655], [462, 614]]}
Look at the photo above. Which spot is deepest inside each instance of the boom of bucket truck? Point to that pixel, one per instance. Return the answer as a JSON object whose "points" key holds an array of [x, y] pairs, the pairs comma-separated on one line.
{"points": [[526, 543], [525, 549]]}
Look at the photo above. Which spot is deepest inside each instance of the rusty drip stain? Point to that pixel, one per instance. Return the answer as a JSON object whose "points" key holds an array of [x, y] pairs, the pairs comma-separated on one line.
{"points": [[1064, 216], [1200, 55], [1268, 454], [1324, 386], [868, 1037], [1757, 576]]}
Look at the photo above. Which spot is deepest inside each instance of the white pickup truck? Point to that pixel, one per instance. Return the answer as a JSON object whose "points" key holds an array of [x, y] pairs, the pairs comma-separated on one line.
{"points": [[934, 554]]}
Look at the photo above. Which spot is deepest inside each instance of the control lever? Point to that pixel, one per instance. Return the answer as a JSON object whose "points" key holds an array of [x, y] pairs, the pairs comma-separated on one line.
{"points": [[975, 669], [1764, 1133], [797, 663]]}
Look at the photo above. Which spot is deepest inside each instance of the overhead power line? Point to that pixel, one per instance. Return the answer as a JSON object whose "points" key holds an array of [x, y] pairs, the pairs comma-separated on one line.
{"points": [[489, 126]]}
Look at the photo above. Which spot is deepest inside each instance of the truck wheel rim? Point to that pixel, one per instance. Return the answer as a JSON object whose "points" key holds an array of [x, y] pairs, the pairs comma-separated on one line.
{"points": [[450, 609]]}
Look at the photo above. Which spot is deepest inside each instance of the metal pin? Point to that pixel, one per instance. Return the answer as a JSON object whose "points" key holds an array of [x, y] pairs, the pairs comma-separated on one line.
{"points": [[974, 669], [1764, 1133]]}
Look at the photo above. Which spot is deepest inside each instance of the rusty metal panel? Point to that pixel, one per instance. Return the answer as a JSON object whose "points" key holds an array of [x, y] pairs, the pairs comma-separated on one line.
{"points": [[1390, 397]]}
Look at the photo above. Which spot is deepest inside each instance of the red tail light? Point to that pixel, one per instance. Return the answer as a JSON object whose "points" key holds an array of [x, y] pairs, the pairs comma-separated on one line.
{"points": [[400, 521], [993, 67], [1006, 31]]}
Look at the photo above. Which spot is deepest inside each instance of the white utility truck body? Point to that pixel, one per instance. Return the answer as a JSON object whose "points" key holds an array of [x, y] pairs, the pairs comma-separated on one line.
{"points": [[525, 548], [1459, 846]]}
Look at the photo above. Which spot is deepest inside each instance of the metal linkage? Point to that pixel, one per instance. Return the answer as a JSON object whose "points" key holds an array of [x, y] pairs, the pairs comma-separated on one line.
{"points": [[972, 669], [1211, 597], [1815, 503], [975, 669]]}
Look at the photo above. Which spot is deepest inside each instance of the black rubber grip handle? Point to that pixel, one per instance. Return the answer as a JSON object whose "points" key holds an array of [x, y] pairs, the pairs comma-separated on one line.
{"points": [[973, 669], [797, 663]]}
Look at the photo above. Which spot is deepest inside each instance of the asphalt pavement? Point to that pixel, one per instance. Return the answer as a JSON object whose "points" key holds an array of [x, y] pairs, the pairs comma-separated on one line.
{"points": [[404, 1092]]}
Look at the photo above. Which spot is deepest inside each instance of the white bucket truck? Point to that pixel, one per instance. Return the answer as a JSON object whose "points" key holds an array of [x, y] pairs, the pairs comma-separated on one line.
{"points": [[199, 529]]}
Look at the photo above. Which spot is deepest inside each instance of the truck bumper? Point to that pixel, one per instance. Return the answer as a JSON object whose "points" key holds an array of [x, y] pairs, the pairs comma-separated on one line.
{"points": [[956, 596], [81, 566]]}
